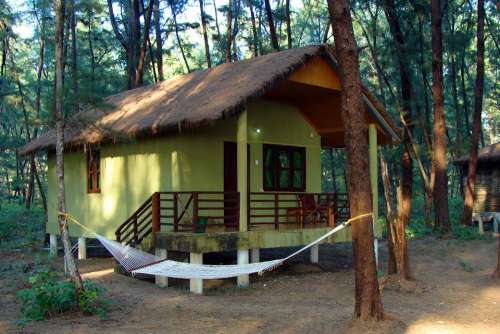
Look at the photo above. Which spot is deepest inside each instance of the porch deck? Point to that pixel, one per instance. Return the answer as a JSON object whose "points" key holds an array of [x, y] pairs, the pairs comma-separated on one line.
{"points": [[254, 239]]}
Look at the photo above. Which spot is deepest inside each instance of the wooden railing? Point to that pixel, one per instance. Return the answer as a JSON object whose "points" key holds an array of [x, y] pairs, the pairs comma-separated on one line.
{"points": [[218, 211], [281, 210], [182, 211], [138, 226]]}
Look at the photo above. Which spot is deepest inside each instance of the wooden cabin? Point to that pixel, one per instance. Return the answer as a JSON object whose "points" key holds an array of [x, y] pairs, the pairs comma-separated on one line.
{"points": [[226, 158], [487, 186]]}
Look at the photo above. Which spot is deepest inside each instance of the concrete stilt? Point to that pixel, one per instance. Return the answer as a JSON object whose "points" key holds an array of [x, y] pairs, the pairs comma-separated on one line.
{"points": [[243, 280], [480, 225], [196, 284], [496, 222], [53, 245], [82, 248], [255, 255], [315, 254], [161, 281]]}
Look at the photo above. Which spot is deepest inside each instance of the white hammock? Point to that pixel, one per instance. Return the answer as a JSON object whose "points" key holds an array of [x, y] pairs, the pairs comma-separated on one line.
{"points": [[139, 262]]}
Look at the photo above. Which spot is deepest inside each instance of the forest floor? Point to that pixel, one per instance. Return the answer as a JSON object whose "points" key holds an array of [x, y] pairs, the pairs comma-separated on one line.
{"points": [[454, 294]]}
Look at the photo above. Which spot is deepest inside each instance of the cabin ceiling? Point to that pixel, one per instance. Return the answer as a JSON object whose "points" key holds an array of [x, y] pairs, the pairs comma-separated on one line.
{"points": [[321, 108]]}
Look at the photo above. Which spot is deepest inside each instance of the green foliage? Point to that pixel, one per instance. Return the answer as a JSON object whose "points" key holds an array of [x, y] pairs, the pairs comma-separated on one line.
{"points": [[47, 295], [417, 229], [20, 227], [466, 266], [466, 232]]}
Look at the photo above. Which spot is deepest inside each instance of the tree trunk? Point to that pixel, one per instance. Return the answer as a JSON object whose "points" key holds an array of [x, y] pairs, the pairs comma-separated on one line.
{"points": [[288, 24], [159, 41], [332, 167], [42, 193], [31, 184], [236, 29], [59, 120], [272, 28], [179, 43], [439, 159], [496, 273], [368, 304], [391, 261], [406, 181], [92, 57], [254, 31], [141, 58], [229, 32], [205, 35], [476, 125], [74, 65]]}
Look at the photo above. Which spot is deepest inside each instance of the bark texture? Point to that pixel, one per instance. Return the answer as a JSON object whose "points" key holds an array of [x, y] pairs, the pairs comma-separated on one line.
{"points": [[205, 34], [439, 159], [476, 124], [229, 33], [496, 273], [272, 28], [159, 40], [58, 115], [368, 305], [134, 48], [405, 188]]}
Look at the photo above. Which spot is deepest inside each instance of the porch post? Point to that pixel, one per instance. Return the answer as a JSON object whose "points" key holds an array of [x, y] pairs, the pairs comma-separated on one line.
{"points": [[161, 281], [315, 253], [82, 248], [53, 245], [372, 143], [196, 284], [242, 154]]}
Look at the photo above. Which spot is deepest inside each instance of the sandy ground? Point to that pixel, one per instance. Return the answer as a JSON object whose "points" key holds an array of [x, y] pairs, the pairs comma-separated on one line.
{"points": [[298, 298]]}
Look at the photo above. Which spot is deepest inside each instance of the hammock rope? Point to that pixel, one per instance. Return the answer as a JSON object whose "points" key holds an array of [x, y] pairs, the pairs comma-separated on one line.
{"points": [[136, 261]]}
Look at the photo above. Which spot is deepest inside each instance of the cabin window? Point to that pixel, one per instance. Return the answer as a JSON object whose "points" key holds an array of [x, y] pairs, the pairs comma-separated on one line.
{"points": [[284, 168], [93, 171]]}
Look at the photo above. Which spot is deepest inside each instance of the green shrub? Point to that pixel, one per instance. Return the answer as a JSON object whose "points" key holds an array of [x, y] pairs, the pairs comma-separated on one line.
{"points": [[466, 232], [48, 295], [466, 266], [416, 230]]}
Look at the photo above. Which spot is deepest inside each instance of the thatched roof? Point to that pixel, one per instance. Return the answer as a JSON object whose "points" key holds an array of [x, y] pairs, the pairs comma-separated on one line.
{"points": [[188, 101], [490, 153]]}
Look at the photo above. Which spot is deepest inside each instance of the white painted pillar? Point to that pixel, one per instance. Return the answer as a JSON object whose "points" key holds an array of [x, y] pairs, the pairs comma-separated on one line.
{"points": [[82, 248], [480, 224], [255, 255], [375, 245], [196, 284], [315, 253], [53, 245], [243, 280], [161, 281]]}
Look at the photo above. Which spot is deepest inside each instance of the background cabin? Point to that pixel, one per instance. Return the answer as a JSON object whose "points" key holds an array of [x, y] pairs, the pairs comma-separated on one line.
{"points": [[487, 186]]}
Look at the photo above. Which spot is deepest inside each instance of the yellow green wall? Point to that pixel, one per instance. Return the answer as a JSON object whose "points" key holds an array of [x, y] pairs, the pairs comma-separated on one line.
{"points": [[131, 172]]}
